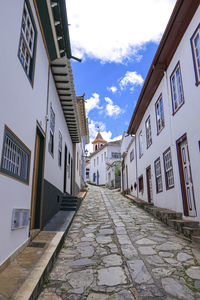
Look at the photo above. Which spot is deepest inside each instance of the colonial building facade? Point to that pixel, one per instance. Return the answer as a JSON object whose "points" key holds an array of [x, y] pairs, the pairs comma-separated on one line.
{"points": [[163, 155], [39, 120]]}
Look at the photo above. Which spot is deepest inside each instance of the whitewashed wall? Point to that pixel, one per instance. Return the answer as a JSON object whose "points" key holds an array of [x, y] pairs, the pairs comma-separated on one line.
{"points": [[21, 107], [186, 120]]}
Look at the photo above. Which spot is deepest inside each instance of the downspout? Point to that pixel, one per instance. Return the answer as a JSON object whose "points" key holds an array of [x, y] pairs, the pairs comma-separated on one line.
{"points": [[136, 168], [45, 143]]}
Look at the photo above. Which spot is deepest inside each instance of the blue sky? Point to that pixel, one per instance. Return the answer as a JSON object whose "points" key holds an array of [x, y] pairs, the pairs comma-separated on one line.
{"points": [[117, 40]]}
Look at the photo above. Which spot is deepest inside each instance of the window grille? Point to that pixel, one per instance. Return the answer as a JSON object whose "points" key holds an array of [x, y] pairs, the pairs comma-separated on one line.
{"points": [[27, 41], [15, 157], [158, 175]]}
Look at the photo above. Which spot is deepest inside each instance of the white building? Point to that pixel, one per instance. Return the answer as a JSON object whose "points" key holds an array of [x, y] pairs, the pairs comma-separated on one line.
{"points": [[103, 153], [39, 121], [113, 174], [165, 122]]}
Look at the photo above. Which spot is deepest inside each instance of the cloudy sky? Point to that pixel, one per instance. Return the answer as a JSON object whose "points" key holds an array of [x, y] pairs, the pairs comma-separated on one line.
{"points": [[116, 40]]}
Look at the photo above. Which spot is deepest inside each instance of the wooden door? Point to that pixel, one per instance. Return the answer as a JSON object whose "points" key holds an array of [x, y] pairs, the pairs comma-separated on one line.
{"points": [[35, 181], [189, 206], [149, 185], [65, 171]]}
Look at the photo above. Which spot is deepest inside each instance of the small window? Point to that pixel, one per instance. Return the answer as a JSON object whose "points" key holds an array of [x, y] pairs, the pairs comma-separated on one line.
{"points": [[176, 89], [169, 176], [148, 132], [52, 129], [27, 43], [116, 155], [195, 43], [15, 159], [160, 121], [141, 185], [140, 144], [60, 149], [158, 175], [131, 155]]}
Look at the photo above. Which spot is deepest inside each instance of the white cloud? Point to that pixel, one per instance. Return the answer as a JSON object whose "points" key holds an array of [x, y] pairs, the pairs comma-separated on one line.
{"points": [[112, 89], [114, 30], [111, 109], [92, 102], [131, 79]]}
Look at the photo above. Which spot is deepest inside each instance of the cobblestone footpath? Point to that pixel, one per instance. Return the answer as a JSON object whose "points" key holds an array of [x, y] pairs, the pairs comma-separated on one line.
{"points": [[116, 251]]}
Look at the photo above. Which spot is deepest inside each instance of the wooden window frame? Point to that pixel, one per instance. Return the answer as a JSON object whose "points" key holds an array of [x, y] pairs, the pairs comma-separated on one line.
{"points": [[29, 72], [166, 171], [160, 98], [197, 76], [15, 140], [156, 177], [148, 130], [141, 150], [178, 66]]}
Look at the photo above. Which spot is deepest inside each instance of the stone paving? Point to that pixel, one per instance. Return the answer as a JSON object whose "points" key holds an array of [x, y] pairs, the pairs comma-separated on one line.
{"points": [[116, 251]]}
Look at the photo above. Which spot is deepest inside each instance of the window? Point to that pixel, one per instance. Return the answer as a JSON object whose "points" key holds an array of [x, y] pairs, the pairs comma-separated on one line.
{"points": [[141, 186], [69, 162], [52, 128], [116, 155], [101, 157], [160, 121], [140, 144], [195, 43], [132, 155], [94, 162], [26, 52], [97, 161], [148, 132], [176, 89], [158, 175], [15, 159], [60, 149], [169, 176]]}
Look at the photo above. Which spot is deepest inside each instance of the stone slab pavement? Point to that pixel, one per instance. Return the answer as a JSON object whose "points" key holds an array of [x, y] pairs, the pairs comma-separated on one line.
{"points": [[116, 251]]}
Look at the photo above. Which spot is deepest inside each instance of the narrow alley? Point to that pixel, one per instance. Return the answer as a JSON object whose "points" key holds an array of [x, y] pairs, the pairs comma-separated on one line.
{"points": [[115, 250]]}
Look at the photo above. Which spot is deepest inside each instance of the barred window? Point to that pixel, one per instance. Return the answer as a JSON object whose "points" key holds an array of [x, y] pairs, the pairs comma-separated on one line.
{"points": [[160, 121], [60, 149], [15, 157], [148, 132], [169, 176], [52, 129], [27, 42], [177, 89], [195, 42], [158, 175]]}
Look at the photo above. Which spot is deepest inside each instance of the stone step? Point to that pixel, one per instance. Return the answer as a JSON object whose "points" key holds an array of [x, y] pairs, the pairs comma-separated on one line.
{"points": [[69, 202], [179, 224], [69, 208], [190, 232], [196, 239]]}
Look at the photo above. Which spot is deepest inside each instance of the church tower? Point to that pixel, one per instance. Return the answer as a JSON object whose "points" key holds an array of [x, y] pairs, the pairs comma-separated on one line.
{"points": [[98, 142]]}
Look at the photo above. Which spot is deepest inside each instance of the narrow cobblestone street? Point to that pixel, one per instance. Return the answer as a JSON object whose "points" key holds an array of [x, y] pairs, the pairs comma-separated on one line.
{"points": [[115, 250]]}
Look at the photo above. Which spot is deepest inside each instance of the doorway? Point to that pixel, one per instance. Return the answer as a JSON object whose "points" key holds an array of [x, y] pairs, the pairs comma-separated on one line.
{"points": [[35, 222], [189, 206], [149, 185], [65, 171], [97, 177]]}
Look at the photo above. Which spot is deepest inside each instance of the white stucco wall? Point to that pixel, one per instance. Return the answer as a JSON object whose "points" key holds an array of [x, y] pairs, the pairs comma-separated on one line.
{"points": [[53, 172], [185, 120], [21, 106]]}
